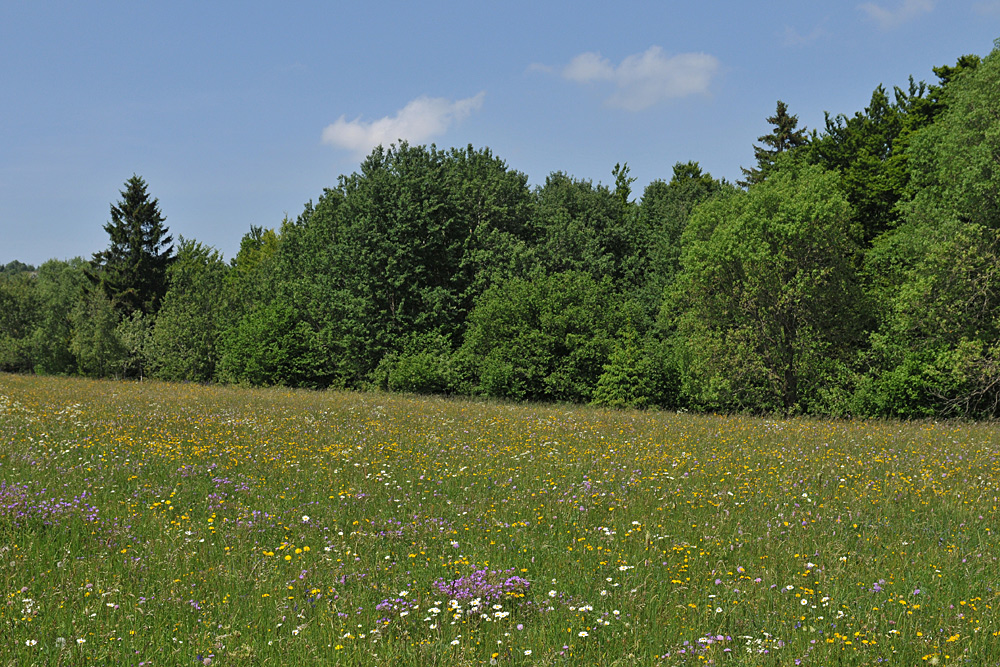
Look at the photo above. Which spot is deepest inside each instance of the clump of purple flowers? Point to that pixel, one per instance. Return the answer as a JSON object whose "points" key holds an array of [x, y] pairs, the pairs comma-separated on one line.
{"points": [[21, 508], [487, 585]]}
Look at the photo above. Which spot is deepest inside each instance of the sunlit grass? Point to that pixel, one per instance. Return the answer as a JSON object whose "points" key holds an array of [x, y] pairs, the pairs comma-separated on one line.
{"points": [[170, 524]]}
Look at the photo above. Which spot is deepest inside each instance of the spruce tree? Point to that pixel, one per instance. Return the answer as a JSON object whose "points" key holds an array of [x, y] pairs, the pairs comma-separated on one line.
{"points": [[132, 272], [783, 138]]}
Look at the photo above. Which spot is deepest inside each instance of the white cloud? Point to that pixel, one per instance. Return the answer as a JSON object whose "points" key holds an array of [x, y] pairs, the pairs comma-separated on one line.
{"points": [[643, 79], [588, 67], [420, 120], [890, 18]]}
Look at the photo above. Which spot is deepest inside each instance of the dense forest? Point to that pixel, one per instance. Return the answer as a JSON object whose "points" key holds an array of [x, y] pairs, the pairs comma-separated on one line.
{"points": [[854, 271]]}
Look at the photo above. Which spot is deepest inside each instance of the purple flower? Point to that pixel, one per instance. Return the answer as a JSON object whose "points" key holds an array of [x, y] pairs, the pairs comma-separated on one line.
{"points": [[489, 585]]}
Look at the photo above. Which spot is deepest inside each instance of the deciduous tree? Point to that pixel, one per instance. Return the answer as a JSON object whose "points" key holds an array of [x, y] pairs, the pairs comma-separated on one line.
{"points": [[767, 297]]}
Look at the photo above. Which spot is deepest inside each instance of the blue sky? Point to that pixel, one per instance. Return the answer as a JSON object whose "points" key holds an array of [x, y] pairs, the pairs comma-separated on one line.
{"points": [[239, 113]]}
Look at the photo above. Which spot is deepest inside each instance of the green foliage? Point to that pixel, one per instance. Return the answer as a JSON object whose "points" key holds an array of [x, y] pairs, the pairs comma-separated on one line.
{"points": [[663, 215], [869, 151], [271, 345], [18, 317], [870, 148], [936, 349], [397, 252], [60, 287], [95, 342], [627, 378], [542, 339], [184, 343], [937, 274], [132, 272], [583, 227], [955, 166], [425, 366], [767, 301], [15, 266], [133, 332]]}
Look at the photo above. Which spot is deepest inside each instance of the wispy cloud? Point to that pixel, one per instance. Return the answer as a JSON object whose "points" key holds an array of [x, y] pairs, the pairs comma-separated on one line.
{"points": [[420, 120], [793, 37], [643, 79], [907, 10]]}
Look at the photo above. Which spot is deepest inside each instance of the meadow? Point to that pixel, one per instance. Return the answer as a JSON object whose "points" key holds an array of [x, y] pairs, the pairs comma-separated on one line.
{"points": [[178, 524]]}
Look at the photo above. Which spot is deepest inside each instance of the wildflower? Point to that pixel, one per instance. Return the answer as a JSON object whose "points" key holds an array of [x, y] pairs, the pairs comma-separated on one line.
{"points": [[31, 642], [552, 594], [305, 518], [81, 640], [527, 651], [454, 642], [583, 633]]}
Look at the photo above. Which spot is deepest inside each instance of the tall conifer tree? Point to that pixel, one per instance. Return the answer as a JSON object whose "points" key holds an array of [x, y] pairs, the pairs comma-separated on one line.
{"points": [[783, 138], [133, 270]]}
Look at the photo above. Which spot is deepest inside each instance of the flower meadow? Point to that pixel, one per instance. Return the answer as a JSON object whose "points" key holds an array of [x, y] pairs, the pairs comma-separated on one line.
{"points": [[178, 524]]}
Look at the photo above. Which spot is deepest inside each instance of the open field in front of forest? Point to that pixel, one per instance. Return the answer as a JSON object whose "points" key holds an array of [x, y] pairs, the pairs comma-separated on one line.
{"points": [[169, 524]]}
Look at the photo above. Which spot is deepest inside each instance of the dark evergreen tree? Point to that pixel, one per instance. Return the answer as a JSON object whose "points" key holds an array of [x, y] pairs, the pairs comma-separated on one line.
{"points": [[783, 138], [132, 272]]}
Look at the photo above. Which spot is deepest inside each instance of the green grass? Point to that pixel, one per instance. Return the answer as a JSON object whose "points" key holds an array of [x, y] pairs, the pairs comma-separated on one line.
{"points": [[164, 524]]}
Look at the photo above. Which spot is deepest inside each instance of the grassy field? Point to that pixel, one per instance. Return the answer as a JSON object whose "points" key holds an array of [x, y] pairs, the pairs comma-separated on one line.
{"points": [[163, 524]]}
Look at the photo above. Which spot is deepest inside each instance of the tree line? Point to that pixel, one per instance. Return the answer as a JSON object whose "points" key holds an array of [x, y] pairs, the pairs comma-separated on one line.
{"points": [[853, 271]]}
